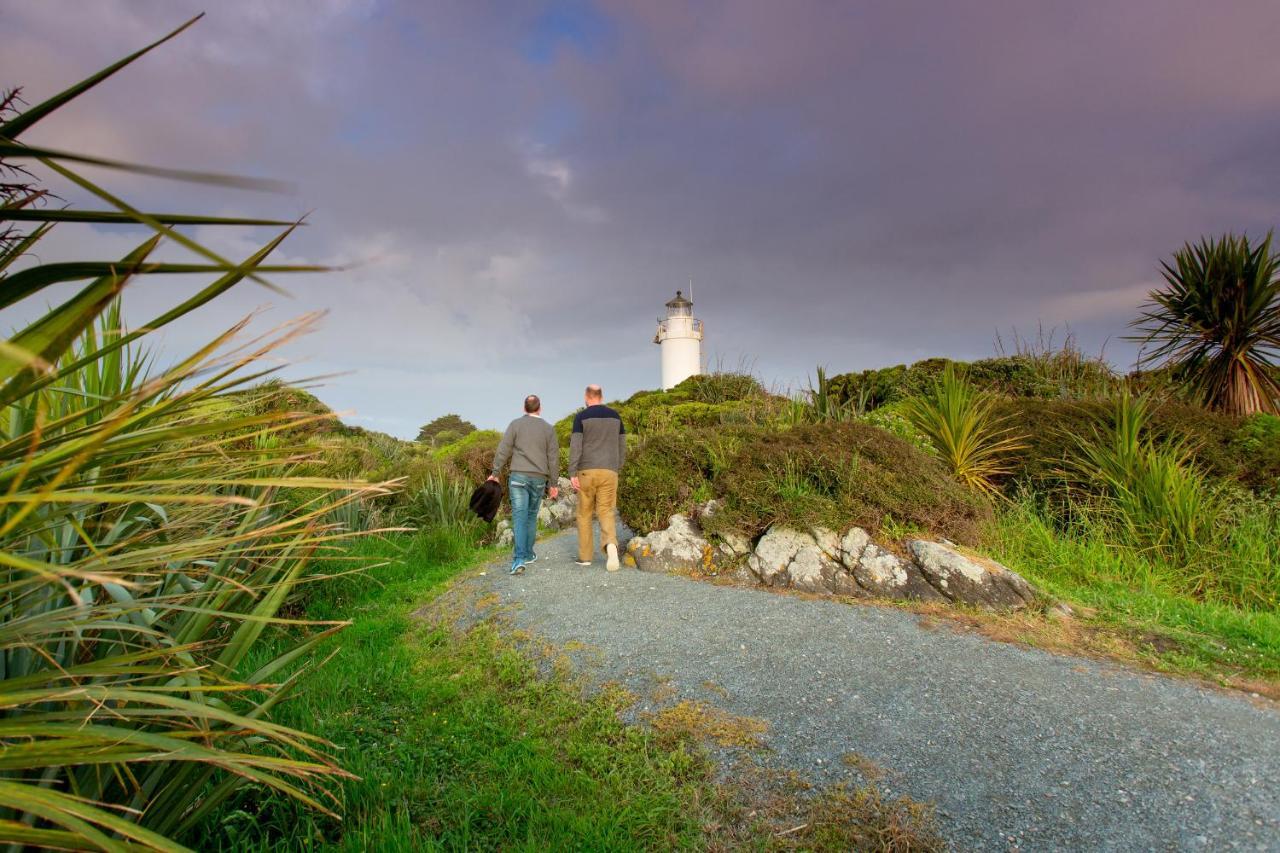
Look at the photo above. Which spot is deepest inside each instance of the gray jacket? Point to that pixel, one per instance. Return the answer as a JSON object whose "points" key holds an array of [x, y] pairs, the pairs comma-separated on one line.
{"points": [[599, 440], [530, 445]]}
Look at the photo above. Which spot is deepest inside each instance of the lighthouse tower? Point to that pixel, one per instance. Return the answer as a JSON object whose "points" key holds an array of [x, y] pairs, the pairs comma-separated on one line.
{"points": [[680, 337]]}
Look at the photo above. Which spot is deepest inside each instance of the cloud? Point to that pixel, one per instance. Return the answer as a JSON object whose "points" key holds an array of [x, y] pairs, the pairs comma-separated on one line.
{"points": [[515, 192]]}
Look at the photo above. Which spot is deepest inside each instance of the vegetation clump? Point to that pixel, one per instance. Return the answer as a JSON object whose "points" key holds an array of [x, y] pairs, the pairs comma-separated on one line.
{"points": [[445, 429]]}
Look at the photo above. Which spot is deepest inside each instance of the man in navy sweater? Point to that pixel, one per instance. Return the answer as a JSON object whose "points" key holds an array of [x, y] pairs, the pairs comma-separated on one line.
{"points": [[597, 449]]}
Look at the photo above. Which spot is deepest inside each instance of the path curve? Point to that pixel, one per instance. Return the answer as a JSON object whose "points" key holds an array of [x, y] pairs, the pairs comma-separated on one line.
{"points": [[1017, 748]]}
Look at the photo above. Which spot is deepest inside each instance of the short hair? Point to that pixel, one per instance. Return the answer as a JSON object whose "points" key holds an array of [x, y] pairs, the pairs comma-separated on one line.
{"points": [[594, 392], [532, 403]]}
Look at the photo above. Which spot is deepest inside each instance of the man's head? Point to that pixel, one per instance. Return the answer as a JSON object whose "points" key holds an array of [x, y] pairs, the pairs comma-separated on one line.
{"points": [[532, 405], [594, 395]]}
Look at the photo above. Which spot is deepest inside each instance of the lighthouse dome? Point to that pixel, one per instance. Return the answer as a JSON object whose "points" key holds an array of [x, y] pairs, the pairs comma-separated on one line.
{"points": [[680, 306]]}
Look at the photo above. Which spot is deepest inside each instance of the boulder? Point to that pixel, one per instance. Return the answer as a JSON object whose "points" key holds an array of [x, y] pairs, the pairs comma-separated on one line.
{"points": [[732, 548], [679, 548], [505, 537], [563, 513], [885, 574], [811, 570], [775, 552], [970, 579], [828, 542], [852, 544]]}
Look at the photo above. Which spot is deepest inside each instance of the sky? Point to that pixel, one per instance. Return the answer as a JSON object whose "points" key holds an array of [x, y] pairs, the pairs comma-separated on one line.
{"points": [[513, 190]]}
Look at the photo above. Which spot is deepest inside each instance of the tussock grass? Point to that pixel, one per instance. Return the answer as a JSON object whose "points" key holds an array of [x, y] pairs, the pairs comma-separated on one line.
{"points": [[1139, 596]]}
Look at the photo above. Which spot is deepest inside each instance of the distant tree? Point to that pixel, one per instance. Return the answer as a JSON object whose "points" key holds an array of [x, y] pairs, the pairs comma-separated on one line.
{"points": [[1216, 323], [445, 423]]}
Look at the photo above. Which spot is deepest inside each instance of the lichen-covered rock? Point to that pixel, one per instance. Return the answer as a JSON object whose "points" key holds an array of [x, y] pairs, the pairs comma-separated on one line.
{"points": [[811, 570], [852, 544], [775, 552], [681, 547], [828, 542], [885, 574], [506, 537], [970, 580], [732, 548]]}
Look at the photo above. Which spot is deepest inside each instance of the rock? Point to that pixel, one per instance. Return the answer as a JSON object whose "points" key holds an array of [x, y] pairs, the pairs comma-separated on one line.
{"points": [[1060, 610], [506, 537], [681, 547], [828, 542], [733, 549], [887, 575], [564, 513], [970, 580], [775, 552], [811, 570], [852, 545], [544, 516]]}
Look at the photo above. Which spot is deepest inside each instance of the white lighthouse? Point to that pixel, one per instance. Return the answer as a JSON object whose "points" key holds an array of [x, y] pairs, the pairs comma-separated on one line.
{"points": [[680, 337]]}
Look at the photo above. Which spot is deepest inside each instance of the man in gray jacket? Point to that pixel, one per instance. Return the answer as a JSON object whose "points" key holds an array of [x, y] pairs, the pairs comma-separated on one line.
{"points": [[530, 445], [597, 449]]}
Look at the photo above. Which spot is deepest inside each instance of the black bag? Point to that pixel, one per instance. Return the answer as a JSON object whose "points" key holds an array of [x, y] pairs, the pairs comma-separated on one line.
{"points": [[486, 500]]}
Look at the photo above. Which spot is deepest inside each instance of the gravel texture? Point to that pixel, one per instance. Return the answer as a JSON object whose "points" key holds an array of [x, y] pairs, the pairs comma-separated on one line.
{"points": [[1017, 748]]}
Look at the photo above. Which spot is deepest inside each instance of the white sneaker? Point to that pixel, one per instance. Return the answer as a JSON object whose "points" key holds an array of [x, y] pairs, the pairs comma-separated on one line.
{"points": [[611, 553]]}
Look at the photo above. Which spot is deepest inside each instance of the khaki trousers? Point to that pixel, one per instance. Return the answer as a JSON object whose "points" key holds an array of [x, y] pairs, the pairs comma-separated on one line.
{"points": [[598, 495]]}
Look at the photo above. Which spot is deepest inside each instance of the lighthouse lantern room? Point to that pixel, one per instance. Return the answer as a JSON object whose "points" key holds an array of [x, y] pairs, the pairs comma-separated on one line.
{"points": [[680, 336]]}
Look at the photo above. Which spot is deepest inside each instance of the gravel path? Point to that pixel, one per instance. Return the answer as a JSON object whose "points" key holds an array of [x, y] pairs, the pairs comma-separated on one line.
{"points": [[1017, 748]]}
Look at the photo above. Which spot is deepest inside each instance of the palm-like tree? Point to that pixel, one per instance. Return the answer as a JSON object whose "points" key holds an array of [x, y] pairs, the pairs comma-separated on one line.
{"points": [[1216, 323]]}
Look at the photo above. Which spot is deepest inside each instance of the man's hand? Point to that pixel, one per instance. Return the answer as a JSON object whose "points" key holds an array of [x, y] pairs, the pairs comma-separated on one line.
{"points": [[553, 492], [493, 479], [574, 481]]}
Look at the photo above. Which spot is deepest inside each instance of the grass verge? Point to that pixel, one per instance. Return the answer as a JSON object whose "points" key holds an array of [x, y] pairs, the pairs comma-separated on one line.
{"points": [[1135, 609], [460, 740]]}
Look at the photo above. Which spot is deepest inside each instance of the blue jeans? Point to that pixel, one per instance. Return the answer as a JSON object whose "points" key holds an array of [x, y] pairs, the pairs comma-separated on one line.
{"points": [[525, 493]]}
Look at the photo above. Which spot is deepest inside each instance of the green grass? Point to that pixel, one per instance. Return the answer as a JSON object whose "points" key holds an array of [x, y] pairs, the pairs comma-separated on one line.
{"points": [[1145, 599], [455, 739]]}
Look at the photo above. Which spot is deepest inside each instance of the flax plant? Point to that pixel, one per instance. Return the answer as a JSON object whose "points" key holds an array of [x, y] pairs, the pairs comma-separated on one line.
{"points": [[144, 543], [962, 427], [1154, 497]]}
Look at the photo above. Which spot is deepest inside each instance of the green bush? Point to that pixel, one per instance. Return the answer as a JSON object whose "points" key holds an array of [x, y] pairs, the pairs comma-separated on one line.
{"points": [[1257, 445], [471, 457], [1222, 447], [833, 474], [842, 475], [661, 478], [891, 418], [714, 388], [1057, 374], [1152, 495]]}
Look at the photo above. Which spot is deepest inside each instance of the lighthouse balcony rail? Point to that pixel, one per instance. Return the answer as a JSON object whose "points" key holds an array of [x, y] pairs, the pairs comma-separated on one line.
{"points": [[690, 327]]}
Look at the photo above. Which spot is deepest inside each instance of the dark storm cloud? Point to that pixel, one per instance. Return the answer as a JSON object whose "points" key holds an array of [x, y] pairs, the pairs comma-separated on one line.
{"points": [[850, 184]]}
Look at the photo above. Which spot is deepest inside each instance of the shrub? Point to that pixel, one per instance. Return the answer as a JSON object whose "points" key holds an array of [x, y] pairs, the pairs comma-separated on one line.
{"points": [[1221, 447], [661, 478], [891, 418], [713, 388], [472, 455], [1257, 445], [1154, 497], [1063, 373], [841, 475], [966, 432]]}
